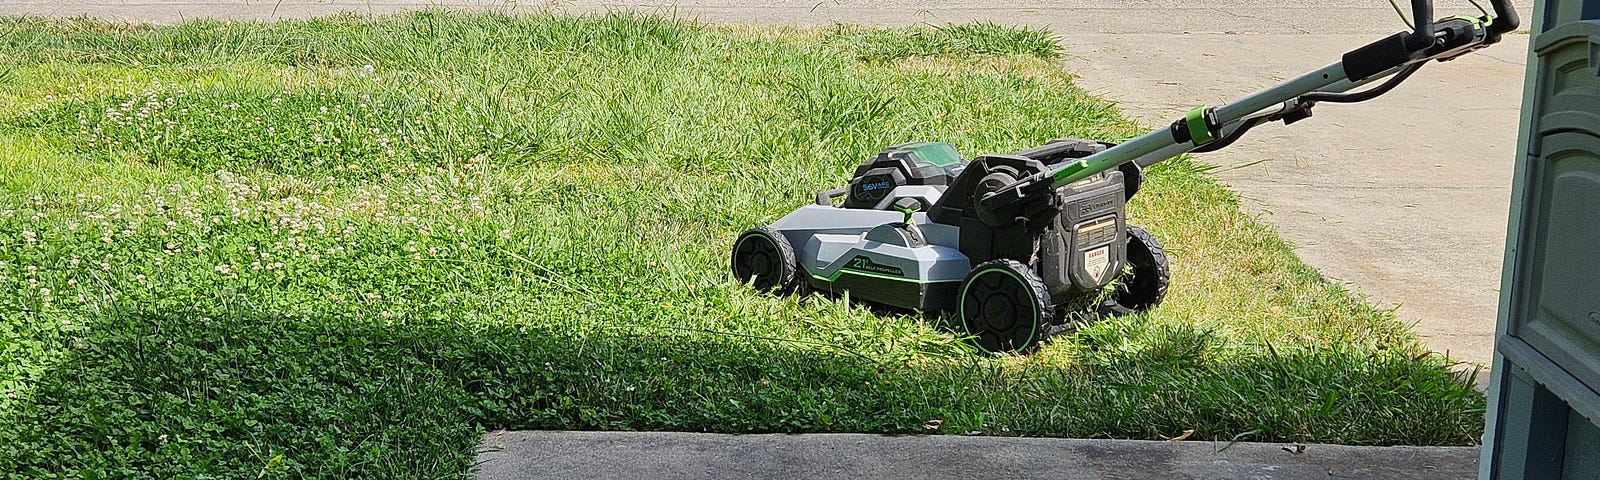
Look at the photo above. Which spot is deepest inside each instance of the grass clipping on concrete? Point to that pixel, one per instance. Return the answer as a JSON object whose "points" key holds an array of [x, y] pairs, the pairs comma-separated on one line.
{"points": [[349, 246]]}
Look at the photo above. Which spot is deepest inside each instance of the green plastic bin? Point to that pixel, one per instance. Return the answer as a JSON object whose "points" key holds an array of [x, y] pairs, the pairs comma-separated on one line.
{"points": [[1544, 398]]}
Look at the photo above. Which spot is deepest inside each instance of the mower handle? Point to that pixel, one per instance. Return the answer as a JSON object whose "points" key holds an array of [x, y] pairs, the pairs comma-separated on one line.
{"points": [[1505, 18], [1441, 40], [1422, 16]]}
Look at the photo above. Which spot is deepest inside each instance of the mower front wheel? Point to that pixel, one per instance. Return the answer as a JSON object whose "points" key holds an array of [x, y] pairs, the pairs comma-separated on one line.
{"points": [[1005, 307], [763, 258]]}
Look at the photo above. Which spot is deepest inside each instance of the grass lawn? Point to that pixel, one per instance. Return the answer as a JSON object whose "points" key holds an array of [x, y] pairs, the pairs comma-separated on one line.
{"points": [[350, 246]]}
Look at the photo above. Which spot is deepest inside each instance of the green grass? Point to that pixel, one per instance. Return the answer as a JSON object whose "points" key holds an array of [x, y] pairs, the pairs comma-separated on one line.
{"points": [[349, 246]]}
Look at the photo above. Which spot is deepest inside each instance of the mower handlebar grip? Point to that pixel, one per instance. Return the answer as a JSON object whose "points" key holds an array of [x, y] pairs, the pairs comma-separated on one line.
{"points": [[1505, 17]]}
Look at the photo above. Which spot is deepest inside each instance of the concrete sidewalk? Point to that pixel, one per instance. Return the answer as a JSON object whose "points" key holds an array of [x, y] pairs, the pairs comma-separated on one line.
{"points": [[666, 456]]}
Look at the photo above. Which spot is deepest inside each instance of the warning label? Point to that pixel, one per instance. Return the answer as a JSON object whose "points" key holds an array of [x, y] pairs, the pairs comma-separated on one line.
{"points": [[1097, 261]]}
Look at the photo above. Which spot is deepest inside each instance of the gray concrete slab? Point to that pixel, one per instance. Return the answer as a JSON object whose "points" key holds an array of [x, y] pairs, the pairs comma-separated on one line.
{"points": [[666, 456], [1403, 198]]}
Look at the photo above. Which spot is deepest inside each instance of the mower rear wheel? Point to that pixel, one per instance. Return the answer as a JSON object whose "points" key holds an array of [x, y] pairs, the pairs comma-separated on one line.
{"points": [[763, 258], [1145, 286], [1005, 307]]}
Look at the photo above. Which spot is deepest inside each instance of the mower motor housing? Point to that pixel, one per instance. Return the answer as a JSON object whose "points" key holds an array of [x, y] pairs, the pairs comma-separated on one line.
{"points": [[1086, 247]]}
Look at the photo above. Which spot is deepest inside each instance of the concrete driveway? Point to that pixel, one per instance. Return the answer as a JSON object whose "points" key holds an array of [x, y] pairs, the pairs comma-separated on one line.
{"points": [[1404, 198]]}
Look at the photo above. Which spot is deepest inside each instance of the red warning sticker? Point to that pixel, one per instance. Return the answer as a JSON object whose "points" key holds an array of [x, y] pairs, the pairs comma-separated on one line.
{"points": [[1097, 262]]}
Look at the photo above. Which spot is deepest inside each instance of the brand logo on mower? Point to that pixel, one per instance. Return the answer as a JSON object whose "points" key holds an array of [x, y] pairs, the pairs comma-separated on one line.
{"points": [[873, 187], [1094, 206], [862, 263]]}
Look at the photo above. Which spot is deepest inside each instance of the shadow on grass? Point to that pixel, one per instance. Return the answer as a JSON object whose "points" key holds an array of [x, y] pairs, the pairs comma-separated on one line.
{"points": [[167, 394]]}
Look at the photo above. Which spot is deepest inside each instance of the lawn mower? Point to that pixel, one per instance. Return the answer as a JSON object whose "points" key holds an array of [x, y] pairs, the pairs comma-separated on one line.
{"points": [[1021, 246]]}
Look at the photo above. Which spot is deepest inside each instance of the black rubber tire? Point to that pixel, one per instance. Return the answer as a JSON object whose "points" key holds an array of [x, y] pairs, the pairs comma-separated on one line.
{"points": [[1146, 285], [763, 258], [1005, 307]]}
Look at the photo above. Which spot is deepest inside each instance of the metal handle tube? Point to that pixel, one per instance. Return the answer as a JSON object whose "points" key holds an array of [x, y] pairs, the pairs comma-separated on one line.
{"points": [[1161, 144], [1329, 78]]}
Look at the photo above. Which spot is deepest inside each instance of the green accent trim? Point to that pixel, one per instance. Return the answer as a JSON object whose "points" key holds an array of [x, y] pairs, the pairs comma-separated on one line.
{"points": [[1068, 170], [844, 270], [1199, 132], [961, 305], [1476, 21], [938, 154], [908, 211]]}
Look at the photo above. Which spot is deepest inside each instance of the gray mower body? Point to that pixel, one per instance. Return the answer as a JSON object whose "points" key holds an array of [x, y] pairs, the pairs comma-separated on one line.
{"points": [[884, 244], [873, 254]]}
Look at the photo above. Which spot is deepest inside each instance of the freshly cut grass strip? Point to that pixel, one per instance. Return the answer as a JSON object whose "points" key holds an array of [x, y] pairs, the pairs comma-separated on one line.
{"points": [[348, 246]]}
